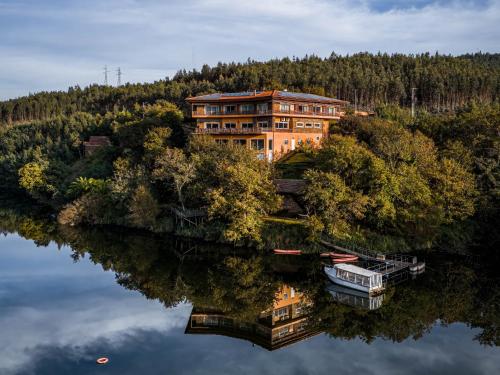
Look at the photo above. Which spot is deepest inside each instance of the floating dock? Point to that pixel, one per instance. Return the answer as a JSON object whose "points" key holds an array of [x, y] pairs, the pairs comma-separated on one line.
{"points": [[387, 265]]}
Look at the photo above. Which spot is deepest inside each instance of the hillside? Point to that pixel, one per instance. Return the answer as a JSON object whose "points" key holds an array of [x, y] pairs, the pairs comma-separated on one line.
{"points": [[441, 82]]}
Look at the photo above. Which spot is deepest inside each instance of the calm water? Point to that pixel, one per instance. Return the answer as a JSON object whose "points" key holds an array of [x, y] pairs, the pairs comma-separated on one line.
{"points": [[162, 306]]}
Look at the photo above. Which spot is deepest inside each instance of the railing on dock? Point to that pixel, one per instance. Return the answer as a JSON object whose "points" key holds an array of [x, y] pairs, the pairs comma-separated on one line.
{"points": [[385, 264]]}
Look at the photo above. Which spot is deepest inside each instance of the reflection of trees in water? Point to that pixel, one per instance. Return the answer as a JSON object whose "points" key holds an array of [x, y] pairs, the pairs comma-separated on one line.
{"points": [[242, 284]]}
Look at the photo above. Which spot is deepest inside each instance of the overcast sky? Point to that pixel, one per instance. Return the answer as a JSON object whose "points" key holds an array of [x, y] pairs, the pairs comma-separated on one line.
{"points": [[54, 44]]}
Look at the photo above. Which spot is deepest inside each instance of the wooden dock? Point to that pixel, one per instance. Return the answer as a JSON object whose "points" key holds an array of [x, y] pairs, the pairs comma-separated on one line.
{"points": [[387, 265]]}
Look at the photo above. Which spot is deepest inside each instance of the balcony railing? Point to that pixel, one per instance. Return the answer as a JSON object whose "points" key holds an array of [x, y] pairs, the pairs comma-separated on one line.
{"points": [[254, 130]]}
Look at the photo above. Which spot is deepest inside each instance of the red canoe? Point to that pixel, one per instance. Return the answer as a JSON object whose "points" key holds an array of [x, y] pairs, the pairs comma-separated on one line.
{"points": [[289, 252], [345, 259], [336, 255]]}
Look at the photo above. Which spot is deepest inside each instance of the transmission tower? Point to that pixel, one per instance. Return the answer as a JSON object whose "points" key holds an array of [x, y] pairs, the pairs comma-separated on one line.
{"points": [[106, 71], [119, 74]]}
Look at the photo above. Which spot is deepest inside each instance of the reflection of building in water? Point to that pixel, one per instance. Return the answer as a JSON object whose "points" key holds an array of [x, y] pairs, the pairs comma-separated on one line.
{"points": [[355, 298], [285, 323]]}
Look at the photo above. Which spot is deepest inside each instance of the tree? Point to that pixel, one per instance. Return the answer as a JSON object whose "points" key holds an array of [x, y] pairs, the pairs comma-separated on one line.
{"points": [[337, 206], [143, 208], [174, 167]]}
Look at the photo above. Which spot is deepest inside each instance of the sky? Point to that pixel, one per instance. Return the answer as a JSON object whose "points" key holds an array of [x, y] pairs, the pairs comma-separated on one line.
{"points": [[54, 44]]}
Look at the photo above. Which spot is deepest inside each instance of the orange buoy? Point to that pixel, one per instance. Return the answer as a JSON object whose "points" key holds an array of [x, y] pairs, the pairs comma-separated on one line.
{"points": [[102, 361]]}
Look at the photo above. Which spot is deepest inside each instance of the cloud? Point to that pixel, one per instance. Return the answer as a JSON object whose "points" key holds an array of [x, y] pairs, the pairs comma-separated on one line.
{"points": [[54, 44]]}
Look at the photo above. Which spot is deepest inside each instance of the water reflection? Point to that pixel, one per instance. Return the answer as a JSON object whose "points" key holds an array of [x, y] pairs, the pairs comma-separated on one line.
{"points": [[285, 323], [216, 293]]}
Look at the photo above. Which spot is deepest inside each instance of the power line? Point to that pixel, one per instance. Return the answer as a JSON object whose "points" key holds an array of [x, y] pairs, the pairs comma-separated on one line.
{"points": [[119, 74], [106, 71]]}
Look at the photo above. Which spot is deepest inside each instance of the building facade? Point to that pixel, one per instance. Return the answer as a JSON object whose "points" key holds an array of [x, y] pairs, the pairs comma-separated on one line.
{"points": [[270, 122]]}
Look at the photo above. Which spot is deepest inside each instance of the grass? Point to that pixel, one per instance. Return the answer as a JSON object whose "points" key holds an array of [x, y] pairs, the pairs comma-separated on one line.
{"points": [[294, 165]]}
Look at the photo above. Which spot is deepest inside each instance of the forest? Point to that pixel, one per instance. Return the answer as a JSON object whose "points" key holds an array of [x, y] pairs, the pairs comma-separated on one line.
{"points": [[389, 182], [441, 82]]}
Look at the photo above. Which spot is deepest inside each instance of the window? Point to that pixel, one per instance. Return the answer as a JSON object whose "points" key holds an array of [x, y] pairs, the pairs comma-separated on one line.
{"points": [[230, 108], [257, 144], [262, 107], [221, 141], [270, 145], [285, 141], [284, 107], [317, 125], [299, 125], [230, 125], [292, 292], [317, 139], [285, 296], [309, 125], [317, 109], [263, 124], [281, 125], [246, 108], [212, 125], [247, 125], [303, 108], [212, 109], [331, 110], [241, 142]]}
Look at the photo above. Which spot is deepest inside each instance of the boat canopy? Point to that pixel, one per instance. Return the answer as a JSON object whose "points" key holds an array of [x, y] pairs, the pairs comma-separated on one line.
{"points": [[358, 275], [355, 269]]}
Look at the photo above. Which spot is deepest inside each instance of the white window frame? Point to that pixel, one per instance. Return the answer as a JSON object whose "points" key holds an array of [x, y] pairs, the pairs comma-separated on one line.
{"points": [[212, 109], [317, 125], [247, 125], [285, 107], [212, 125], [263, 124], [262, 107], [229, 123], [299, 125], [332, 110], [281, 125], [257, 141], [247, 108], [304, 109]]}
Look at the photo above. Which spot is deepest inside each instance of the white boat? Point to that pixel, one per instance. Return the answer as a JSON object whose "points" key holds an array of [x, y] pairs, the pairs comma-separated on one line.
{"points": [[355, 277]]}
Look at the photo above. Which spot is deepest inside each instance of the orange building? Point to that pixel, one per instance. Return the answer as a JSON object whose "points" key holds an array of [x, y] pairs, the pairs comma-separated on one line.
{"points": [[271, 122]]}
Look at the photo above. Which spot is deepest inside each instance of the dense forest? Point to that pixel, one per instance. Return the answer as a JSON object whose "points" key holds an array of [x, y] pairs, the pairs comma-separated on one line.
{"points": [[390, 182], [441, 83]]}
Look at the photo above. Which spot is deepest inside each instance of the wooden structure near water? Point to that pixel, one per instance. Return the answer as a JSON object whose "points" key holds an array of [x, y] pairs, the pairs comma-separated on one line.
{"points": [[388, 266]]}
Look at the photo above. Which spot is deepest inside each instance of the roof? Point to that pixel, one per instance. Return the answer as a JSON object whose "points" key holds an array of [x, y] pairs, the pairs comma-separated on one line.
{"points": [[289, 186], [259, 95], [355, 269]]}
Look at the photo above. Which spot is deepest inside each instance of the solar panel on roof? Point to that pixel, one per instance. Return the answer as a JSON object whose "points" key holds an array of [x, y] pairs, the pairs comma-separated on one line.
{"points": [[302, 95], [245, 93]]}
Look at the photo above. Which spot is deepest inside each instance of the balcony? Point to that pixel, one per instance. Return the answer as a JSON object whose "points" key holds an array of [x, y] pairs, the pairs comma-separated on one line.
{"points": [[267, 112], [235, 131]]}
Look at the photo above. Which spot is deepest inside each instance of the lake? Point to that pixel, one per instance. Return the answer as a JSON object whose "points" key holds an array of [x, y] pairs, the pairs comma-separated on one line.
{"points": [[161, 305]]}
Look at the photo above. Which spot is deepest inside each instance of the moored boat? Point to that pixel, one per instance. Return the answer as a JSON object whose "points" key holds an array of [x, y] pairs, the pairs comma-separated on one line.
{"points": [[355, 277], [345, 259], [288, 252]]}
